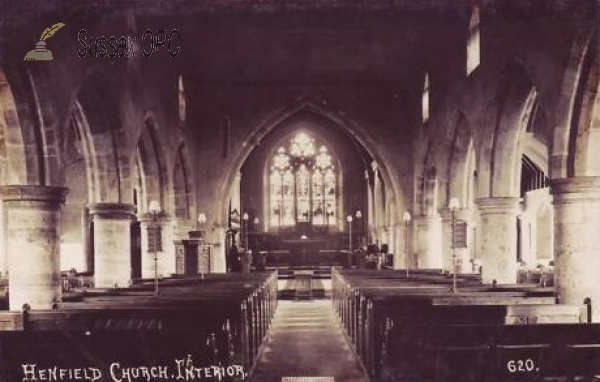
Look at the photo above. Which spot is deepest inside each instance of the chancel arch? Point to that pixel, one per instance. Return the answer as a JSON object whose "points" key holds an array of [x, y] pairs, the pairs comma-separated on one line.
{"points": [[306, 179], [343, 135]]}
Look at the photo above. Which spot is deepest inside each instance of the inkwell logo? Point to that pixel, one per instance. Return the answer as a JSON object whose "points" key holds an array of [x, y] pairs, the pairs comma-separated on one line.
{"points": [[40, 53]]}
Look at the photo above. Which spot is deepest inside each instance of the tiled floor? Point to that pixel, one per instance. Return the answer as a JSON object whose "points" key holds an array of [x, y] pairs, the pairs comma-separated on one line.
{"points": [[306, 341]]}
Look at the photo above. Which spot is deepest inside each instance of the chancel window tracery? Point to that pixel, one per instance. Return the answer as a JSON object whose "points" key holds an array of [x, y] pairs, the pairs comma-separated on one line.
{"points": [[302, 184]]}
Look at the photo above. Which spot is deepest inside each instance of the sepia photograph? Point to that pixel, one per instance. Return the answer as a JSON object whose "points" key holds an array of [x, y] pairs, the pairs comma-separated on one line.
{"points": [[300, 190]]}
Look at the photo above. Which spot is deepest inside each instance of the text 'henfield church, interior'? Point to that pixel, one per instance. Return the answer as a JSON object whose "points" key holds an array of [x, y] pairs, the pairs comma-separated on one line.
{"points": [[300, 190]]}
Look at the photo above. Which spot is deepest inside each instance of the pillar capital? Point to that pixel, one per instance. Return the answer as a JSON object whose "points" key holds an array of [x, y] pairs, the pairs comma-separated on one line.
{"points": [[578, 188], [161, 219], [34, 193], [426, 219], [507, 205], [461, 213], [119, 211]]}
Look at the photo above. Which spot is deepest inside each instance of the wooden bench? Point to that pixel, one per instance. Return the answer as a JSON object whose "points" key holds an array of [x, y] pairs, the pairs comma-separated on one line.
{"points": [[492, 353], [371, 304], [227, 315]]}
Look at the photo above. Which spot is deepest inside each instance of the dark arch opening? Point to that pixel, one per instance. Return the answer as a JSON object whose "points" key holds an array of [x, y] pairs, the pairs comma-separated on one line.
{"points": [[353, 162]]}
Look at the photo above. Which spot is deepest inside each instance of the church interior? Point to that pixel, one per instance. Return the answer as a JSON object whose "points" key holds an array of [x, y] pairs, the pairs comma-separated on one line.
{"points": [[300, 190]]}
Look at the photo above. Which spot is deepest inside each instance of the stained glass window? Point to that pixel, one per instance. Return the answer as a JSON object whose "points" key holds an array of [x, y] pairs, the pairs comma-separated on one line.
{"points": [[302, 184]]}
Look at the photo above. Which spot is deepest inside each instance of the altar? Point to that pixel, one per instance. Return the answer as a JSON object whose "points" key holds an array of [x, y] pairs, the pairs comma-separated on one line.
{"points": [[275, 251]]}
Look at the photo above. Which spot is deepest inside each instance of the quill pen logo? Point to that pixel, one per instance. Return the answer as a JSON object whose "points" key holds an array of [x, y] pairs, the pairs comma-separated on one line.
{"points": [[40, 53]]}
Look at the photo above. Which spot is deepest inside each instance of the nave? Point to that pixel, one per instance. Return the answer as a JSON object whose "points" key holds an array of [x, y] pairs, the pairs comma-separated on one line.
{"points": [[374, 325], [444, 153], [306, 340]]}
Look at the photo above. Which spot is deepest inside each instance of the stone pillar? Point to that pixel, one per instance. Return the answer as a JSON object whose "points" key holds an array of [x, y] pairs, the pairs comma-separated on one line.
{"points": [[429, 242], [218, 263], [112, 244], [32, 242], [498, 239], [166, 257], [428, 227], [402, 256], [577, 241]]}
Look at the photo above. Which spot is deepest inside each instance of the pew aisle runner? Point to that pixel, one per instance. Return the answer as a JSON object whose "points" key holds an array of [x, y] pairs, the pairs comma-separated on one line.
{"points": [[305, 340]]}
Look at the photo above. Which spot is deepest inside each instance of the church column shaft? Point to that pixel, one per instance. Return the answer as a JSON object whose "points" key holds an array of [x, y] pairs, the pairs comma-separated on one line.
{"points": [[32, 224], [429, 229], [498, 239], [112, 244], [577, 245], [429, 241]]}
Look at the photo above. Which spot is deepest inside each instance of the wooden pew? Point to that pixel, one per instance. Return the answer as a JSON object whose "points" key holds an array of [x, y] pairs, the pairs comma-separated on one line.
{"points": [[493, 353], [370, 305], [230, 314]]}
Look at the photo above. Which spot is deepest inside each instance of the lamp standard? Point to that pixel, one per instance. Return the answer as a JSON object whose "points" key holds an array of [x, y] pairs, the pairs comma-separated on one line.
{"points": [[359, 226], [245, 218], [154, 209], [406, 217], [474, 243], [201, 222], [454, 205], [349, 220]]}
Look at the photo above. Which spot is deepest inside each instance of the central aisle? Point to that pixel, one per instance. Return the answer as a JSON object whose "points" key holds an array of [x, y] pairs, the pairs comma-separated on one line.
{"points": [[307, 341]]}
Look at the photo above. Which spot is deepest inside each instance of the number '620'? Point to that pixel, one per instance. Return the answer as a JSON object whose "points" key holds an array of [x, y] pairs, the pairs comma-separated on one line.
{"points": [[520, 366]]}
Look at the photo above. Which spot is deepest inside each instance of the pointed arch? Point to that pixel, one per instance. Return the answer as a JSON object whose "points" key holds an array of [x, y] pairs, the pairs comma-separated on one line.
{"points": [[462, 164], [562, 164], [151, 168], [499, 160], [182, 187], [13, 161], [583, 158], [84, 144], [98, 114], [319, 107]]}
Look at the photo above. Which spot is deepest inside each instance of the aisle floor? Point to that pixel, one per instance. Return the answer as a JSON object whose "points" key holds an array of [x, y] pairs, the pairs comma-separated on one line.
{"points": [[306, 340]]}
